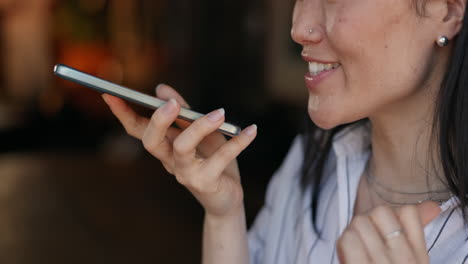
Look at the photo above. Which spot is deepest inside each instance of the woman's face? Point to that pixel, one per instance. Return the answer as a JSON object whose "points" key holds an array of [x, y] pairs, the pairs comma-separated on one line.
{"points": [[382, 54]]}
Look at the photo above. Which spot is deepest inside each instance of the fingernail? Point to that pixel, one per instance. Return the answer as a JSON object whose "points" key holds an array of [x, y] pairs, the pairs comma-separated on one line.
{"points": [[216, 115], [169, 106], [250, 131], [159, 86]]}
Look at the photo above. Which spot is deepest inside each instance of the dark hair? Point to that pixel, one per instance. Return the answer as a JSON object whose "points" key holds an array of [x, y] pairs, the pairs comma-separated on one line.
{"points": [[450, 129]]}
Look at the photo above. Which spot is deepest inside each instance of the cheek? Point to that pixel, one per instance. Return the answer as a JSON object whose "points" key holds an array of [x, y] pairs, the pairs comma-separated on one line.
{"points": [[379, 64], [363, 36], [376, 61], [349, 41]]}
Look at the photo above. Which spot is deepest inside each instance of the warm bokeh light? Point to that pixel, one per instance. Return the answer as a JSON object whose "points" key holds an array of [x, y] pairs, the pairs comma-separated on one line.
{"points": [[73, 186]]}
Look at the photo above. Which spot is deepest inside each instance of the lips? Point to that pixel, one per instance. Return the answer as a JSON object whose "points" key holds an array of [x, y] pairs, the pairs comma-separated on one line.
{"points": [[318, 71]]}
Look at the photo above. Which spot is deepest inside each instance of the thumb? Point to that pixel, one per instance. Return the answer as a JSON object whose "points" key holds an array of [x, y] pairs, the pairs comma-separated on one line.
{"points": [[428, 211]]}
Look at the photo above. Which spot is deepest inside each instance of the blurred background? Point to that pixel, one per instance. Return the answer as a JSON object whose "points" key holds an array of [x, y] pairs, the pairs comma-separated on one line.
{"points": [[74, 188]]}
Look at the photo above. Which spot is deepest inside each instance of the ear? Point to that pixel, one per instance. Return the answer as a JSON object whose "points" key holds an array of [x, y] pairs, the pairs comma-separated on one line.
{"points": [[453, 20]]}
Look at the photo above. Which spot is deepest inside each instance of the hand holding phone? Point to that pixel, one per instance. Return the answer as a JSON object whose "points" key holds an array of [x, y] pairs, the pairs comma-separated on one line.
{"points": [[151, 102], [203, 161]]}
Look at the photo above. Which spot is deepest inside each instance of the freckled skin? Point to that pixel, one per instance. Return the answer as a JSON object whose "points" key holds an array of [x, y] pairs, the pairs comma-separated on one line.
{"points": [[386, 53]]}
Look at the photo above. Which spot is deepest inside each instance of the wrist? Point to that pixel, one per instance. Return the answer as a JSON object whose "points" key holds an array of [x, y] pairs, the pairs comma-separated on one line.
{"points": [[234, 214]]}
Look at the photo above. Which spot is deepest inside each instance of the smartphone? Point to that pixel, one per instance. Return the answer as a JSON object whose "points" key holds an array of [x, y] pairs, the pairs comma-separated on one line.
{"points": [[148, 101]]}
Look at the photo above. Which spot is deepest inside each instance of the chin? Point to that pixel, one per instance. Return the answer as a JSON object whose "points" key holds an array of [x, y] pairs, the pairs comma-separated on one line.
{"points": [[328, 114], [321, 113], [329, 119], [323, 120]]}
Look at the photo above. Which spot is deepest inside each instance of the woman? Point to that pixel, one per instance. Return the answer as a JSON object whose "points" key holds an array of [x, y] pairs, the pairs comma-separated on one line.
{"points": [[380, 178]]}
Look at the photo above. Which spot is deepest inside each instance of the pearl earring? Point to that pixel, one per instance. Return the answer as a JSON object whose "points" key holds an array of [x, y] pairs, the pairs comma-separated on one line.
{"points": [[442, 41]]}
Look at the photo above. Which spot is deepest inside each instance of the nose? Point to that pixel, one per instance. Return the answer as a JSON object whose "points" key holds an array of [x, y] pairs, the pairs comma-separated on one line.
{"points": [[306, 25]]}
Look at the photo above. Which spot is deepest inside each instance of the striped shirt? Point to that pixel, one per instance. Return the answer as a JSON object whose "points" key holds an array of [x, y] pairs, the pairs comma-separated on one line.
{"points": [[283, 231]]}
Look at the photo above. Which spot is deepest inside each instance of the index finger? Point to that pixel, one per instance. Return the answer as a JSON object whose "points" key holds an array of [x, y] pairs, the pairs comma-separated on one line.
{"points": [[413, 218], [428, 211], [134, 124], [213, 141], [166, 92]]}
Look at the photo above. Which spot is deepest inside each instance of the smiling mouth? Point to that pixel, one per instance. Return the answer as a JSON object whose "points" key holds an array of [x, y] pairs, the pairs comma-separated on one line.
{"points": [[316, 68]]}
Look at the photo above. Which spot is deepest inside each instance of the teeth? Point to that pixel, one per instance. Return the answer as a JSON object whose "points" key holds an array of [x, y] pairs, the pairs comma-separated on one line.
{"points": [[321, 67], [313, 67], [316, 68]]}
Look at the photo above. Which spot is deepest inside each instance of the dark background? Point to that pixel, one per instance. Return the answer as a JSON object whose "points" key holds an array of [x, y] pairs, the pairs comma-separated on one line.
{"points": [[74, 188]]}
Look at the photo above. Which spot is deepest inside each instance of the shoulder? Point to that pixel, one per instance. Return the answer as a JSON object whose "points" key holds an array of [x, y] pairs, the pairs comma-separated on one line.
{"points": [[447, 236], [289, 169], [295, 156], [265, 233]]}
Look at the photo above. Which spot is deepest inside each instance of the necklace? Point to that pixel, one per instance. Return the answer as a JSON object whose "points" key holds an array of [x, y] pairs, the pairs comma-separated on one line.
{"points": [[430, 195]]}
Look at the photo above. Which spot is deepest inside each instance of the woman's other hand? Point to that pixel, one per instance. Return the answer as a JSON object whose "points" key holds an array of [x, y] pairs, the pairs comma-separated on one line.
{"points": [[386, 236], [198, 156]]}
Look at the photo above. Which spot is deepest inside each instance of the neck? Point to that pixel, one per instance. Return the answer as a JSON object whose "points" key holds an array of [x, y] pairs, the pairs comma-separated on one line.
{"points": [[404, 151]]}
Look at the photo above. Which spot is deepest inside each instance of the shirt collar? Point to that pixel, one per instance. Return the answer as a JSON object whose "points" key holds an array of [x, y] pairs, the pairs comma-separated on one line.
{"points": [[353, 139]]}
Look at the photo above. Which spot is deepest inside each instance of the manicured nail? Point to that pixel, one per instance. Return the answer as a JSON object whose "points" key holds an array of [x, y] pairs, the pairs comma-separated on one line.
{"points": [[216, 115], [159, 86], [250, 131], [169, 106]]}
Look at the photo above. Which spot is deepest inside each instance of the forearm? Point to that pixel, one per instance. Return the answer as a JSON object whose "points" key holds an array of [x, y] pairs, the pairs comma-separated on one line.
{"points": [[225, 239]]}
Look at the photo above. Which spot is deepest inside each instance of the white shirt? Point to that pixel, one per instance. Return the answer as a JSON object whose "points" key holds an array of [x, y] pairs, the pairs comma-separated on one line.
{"points": [[283, 232]]}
